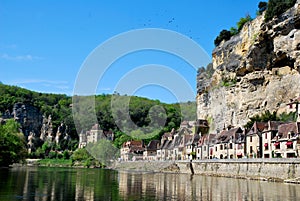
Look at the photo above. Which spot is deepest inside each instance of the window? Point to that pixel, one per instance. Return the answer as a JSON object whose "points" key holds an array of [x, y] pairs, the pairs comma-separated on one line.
{"points": [[216, 148], [204, 148], [250, 138], [289, 145], [221, 147], [266, 136], [277, 145], [251, 149], [230, 146], [266, 145]]}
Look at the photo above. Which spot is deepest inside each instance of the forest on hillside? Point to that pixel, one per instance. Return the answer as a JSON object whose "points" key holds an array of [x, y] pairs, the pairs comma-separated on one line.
{"points": [[60, 108]]}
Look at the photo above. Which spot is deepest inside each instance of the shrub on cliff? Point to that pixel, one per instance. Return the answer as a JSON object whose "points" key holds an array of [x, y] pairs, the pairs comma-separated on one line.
{"points": [[240, 24], [224, 35], [262, 6], [277, 7]]}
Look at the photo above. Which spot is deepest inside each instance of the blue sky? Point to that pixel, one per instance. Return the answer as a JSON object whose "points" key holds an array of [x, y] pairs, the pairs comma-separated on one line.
{"points": [[43, 44]]}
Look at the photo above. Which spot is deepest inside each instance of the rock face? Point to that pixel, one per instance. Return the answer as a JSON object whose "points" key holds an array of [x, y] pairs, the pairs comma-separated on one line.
{"points": [[255, 71], [29, 117]]}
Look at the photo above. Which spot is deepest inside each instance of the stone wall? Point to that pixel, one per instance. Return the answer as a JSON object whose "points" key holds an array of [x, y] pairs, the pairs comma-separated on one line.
{"points": [[271, 169], [261, 169]]}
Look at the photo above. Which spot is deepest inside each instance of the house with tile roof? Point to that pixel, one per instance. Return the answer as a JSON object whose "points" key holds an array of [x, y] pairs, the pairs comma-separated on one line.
{"points": [[205, 148], [132, 150], [94, 135], [285, 143], [268, 134], [229, 144], [150, 152], [254, 140]]}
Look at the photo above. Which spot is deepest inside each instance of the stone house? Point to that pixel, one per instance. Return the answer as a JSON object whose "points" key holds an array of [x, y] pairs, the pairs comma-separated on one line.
{"points": [[132, 150], [254, 146], [191, 142], [293, 106], [284, 144], [268, 134], [229, 144], [150, 152], [205, 148], [166, 141], [94, 135], [178, 147]]}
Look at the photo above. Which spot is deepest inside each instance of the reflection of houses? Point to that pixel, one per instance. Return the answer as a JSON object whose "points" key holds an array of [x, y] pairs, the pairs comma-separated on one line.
{"points": [[94, 135], [132, 150]]}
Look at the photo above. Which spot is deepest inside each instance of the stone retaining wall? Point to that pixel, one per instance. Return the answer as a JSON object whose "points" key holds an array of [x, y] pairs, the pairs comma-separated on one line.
{"points": [[278, 170], [262, 169]]}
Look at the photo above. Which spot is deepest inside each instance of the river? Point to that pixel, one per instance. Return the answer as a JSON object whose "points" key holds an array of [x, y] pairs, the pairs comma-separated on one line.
{"points": [[54, 184]]}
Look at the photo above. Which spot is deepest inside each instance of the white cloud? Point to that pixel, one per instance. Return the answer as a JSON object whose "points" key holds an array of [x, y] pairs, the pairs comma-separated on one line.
{"points": [[51, 84], [27, 57]]}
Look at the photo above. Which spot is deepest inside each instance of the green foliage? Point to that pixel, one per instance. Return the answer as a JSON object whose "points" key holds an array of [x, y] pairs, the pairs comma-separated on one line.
{"points": [[66, 154], [234, 31], [12, 144], [228, 82], [242, 22], [141, 112], [268, 116], [264, 117], [55, 162], [103, 151], [277, 7], [262, 6], [224, 35], [80, 155], [288, 117]]}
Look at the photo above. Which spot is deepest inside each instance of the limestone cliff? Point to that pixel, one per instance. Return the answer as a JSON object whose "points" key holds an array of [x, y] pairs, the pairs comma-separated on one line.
{"points": [[255, 71]]}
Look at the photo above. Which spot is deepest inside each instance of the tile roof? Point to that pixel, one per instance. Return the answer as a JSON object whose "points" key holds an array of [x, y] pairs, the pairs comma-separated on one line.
{"points": [[153, 144], [227, 135], [285, 129], [257, 128]]}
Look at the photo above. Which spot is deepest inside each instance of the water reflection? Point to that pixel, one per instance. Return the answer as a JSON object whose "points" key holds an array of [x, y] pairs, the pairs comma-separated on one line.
{"points": [[51, 184]]}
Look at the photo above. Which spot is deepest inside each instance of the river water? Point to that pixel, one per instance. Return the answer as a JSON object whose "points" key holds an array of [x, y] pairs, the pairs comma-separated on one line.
{"points": [[53, 184]]}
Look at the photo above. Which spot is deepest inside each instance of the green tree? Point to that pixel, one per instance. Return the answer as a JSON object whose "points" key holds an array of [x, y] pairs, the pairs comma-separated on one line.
{"points": [[12, 144], [262, 6], [240, 24], [277, 7], [224, 35]]}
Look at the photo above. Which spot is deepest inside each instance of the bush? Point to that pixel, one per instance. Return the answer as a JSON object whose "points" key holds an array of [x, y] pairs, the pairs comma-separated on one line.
{"points": [[262, 6], [277, 7], [224, 35], [243, 20], [12, 144], [59, 156], [52, 155], [66, 154]]}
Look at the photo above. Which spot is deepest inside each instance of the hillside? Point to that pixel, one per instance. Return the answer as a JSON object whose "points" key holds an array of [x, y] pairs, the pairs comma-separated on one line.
{"points": [[42, 112], [256, 70]]}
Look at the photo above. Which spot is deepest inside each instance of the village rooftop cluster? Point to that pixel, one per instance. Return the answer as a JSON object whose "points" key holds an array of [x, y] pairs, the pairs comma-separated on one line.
{"points": [[192, 141]]}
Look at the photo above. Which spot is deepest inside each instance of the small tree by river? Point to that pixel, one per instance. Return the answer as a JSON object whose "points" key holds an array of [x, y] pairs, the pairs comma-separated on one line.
{"points": [[12, 144]]}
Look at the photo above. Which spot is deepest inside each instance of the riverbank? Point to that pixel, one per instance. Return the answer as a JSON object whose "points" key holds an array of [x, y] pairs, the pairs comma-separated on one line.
{"points": [[59, 163], [278, 170]]}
